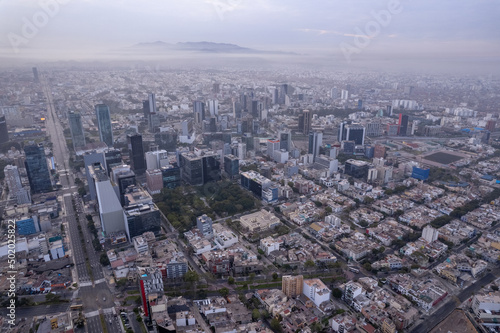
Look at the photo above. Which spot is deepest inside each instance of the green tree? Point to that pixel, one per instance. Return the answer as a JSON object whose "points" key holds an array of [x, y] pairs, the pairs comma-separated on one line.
{"points": [[230, 280], [251, 277], [367, 266], [275, 276], [309, 264], [104, 259], [337, 293], [255, 314], [276, 326], [223, 292]]}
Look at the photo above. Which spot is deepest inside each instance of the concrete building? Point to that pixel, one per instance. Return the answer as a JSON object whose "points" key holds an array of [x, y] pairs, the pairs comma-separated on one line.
{"points": [[316, 290], [154, 181], [150, 282], [430, 234], [110, 210], [292, 286], [204, 224], [76, 129]]}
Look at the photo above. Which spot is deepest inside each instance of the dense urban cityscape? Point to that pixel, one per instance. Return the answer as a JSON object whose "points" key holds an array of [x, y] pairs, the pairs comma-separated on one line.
{"points": [[262, 180]]}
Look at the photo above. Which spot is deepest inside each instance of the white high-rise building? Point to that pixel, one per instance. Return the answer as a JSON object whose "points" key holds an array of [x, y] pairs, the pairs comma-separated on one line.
{"points": [[344, 94], [213, 107], [16, 189], [242, 151], [430, 234], [156, 159]]}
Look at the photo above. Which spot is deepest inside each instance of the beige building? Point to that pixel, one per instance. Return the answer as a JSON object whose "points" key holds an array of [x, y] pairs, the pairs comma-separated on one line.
{"points": [[259, 221], [292, 285]]}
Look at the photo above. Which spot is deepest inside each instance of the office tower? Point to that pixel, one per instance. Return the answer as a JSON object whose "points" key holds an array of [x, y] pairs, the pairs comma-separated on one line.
{"points": [[408, 90], [275, 96], [171, 176], [136, 153], [490, 125], [237, 109], [123, 177], [216, 88], [150, 284], [352, 132], [344, 94], [76, 128], [334, 93], [231, 166], [403, 125], [141, 213], [242, 151], [199, 170], [152, 115], [379, 151], [272, 146], [315, 142], [285, 138], [16, 189], [374, 129], [4, 134], [198, 112], [389, 110], [360, 104], [213, 107], [291, 286], [204, 224], [145, 108], [327, 162], [104, 124], [35, 75], [307, 121], [167, 139], [113, 158], [37, 169], [356, 168], [154, 181], [91, 159], [255, 109], [255, 182], [156, 159]]}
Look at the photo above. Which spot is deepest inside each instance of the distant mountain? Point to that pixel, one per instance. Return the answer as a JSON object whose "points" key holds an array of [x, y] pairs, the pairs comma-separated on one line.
{"points": [[206, 47]]}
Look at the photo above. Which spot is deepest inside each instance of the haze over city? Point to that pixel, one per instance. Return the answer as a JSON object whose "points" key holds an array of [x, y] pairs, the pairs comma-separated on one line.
{"points": [[409, 35]]}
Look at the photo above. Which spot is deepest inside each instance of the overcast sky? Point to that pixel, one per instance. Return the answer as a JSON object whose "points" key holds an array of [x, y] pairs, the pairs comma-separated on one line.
{"points": [[438, 28]]}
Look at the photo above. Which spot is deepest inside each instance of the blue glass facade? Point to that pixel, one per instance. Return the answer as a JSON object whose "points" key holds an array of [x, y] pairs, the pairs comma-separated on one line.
{"points": [[37, 169]]}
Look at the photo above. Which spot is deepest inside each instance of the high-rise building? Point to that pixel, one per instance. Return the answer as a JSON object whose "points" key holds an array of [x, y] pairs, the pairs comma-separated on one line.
{"points": [[141, 213], [104, 123], [213, 107], [216, 88], [255, 182], [35, 75], [352, 132], [379, 151], [136, 153], [123, 177], [154, 181], [430, 234], [344, 94], [374, 129], [198, 112], [307, 121], [16, 189], [403, 125], [200, 169], [91, 159], [231, 166], [37, 169], [285, 138], [171, 176], [272, 146], [156, 159], [291, 286], [152, 116], [4, 134], [150, 282], [76, 128], [145, 108], [490, 125], [113, 158], [315, 142]]}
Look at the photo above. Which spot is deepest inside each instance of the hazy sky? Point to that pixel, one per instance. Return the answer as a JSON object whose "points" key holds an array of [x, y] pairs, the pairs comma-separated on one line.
{"points": [[467, 29]]}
